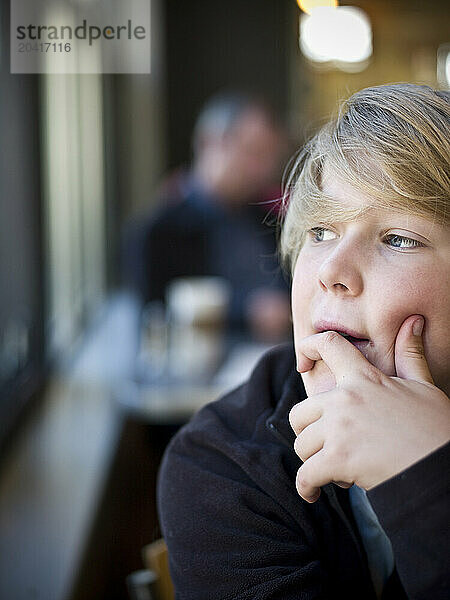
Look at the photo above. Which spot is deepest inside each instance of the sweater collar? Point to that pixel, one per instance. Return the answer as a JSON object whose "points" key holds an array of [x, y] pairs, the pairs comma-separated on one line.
{"points": [[292, 392]]}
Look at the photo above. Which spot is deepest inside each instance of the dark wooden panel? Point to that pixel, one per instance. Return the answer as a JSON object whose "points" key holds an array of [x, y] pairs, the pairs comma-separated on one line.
{"points": [[218, 45]]}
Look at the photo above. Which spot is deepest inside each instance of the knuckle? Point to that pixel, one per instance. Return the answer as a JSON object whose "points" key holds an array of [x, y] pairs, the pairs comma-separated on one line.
{"points": [[345, 423], [374, 375], [298, 447], [339, 454], [303, 483], [293, 416], [414, 351], [351, 397], [294, 420]]}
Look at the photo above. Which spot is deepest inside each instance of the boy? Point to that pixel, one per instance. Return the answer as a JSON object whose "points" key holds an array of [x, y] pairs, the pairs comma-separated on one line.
{"points": [[367, 238]]}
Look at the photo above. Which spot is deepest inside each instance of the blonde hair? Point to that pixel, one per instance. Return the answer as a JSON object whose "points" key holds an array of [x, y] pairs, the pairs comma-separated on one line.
{"points": [[390, 142]]}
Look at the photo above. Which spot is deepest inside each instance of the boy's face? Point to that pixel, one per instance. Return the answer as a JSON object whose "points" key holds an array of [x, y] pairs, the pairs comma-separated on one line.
{"points": [[365, 277]]}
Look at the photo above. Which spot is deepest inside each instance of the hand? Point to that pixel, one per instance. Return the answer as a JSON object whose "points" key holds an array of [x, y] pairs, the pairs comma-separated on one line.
{"points": [[370, 426]]}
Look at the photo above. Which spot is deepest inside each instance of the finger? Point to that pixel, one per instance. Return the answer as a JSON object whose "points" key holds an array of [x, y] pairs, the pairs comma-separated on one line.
{"points": [[410, 360], [314, 473], [310, 440], [337, 353], [304, 413]]}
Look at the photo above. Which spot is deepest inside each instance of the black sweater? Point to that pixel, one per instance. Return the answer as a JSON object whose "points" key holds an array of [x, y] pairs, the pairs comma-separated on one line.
{"points": [[237, 529]]}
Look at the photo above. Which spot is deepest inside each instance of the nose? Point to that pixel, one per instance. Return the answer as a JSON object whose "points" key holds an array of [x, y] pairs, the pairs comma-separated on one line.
{"points": [[340, 272]]}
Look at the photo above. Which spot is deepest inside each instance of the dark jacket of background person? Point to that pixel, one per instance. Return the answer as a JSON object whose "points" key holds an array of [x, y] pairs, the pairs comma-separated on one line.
{"points": [[236, 528], [193, 234]]}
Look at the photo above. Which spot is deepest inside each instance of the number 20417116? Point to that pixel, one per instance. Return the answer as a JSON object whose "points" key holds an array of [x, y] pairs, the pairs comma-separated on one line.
{"points": [[44, 47]]}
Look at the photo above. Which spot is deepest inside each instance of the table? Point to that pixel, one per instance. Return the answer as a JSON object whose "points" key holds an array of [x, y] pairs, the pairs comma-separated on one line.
{"points": [[174, 401]]}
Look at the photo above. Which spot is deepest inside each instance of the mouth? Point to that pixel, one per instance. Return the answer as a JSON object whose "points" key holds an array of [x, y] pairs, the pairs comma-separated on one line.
{"points": [[358, 339]]}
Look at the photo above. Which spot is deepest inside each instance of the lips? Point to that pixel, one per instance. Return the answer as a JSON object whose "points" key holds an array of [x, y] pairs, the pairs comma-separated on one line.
{"points": [[357, 338]]}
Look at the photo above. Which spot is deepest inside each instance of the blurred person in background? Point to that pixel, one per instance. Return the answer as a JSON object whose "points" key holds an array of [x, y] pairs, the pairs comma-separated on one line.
{"points": [[210, 219]]}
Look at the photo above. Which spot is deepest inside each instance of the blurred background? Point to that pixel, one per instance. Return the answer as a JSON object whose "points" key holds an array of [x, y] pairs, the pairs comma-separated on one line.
{"points": [[88, 395]]}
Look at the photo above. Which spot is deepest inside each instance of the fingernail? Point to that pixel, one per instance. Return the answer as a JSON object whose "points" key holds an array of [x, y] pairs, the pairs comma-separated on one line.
{"points": [[312, 499], [418, 326]]}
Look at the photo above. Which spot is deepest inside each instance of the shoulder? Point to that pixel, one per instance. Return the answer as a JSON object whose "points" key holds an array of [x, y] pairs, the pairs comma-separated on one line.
{"points": [[412, 508], [226, 489], [232, 439], [235, 416]]}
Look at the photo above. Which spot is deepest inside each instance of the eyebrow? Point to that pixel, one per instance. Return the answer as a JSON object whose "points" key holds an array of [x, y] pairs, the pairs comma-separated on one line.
{"points": [[333, 211]]}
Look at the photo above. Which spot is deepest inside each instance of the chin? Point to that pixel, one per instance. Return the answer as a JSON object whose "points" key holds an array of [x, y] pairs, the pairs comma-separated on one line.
{"points": [[319, 379]]}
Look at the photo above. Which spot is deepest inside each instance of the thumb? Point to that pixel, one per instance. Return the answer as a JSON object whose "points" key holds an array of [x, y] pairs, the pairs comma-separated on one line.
{"points": [[410, 361]]}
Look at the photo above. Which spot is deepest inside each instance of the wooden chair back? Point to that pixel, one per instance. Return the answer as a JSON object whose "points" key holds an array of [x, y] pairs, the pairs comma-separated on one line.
{"points": [[156, 558]]}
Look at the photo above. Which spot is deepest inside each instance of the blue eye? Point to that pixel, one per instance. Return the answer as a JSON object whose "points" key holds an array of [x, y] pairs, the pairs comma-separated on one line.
{"points": [[404, 243], [322, 234]]}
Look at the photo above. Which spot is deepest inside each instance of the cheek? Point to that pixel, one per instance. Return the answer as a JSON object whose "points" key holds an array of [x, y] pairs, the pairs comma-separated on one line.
{"points": [[407, 294], [302, 293], [320, 379], [422, 294]]}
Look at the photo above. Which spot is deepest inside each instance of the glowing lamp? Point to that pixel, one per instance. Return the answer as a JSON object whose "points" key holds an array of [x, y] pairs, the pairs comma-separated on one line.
{"points": [[341, 36], [308, 6]]}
